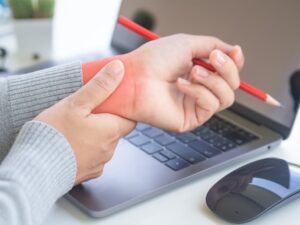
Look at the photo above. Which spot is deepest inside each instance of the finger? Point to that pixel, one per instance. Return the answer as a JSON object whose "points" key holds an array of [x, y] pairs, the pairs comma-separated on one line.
{"points": [[206, 102], [202, 46], [225, 66], [215, 83], [238, 57], [97, 172], [100, 87], [116, 127]]}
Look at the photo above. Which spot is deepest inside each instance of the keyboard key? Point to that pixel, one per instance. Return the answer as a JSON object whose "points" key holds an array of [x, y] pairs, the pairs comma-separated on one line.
{"points": [[160, 157], [235, 137], [132, 134], [152, 132], [168, 154], [164, 139], [247, 135], [222, 143], [200, 130], [216, 139], [216, 126], [185, 152], [204, 148], [139, 140], [177, 164], [151, 148], [172, 133], [207, 135], [179, 150], [186, 137], [142, 126], [228, 146]]}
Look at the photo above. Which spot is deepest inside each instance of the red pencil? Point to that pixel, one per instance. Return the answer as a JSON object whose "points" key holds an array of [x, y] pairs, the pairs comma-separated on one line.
{"points": [[149, 35]]}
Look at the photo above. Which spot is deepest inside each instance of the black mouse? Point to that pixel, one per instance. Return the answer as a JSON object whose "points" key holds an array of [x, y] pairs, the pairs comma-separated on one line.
{"points": [[254, 189]]}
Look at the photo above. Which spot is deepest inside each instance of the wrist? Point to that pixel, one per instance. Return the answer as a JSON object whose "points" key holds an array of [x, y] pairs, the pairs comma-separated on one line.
{"points": [[141, 107], [120, 102]]}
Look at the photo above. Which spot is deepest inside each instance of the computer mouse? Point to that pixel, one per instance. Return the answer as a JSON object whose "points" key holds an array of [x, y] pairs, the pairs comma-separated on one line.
{"points": [[254, 189]]}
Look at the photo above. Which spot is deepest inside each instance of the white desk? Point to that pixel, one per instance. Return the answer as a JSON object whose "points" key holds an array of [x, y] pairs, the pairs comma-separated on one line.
{"points": [[185, 205]]}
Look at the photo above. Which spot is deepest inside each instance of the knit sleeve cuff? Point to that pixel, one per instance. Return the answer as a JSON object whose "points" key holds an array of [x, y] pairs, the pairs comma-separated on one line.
{"points": [[43, 164], [31, 93]]}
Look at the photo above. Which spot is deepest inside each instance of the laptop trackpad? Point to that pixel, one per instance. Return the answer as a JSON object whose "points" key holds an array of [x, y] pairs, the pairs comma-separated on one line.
{"points": [[128, 175]]}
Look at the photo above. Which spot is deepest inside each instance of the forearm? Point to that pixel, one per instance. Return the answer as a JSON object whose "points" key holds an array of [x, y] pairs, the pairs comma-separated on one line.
{"points": [[23, 97], [39, 169]]}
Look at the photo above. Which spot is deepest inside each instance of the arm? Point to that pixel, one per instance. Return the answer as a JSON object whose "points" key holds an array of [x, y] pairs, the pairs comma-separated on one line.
{"points": [[64, 145], [151, 83], [39, 168], [22, 97]]}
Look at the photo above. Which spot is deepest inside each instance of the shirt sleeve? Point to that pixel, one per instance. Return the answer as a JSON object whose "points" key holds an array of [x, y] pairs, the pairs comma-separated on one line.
{"points": [[23, 97], [39, 169]]}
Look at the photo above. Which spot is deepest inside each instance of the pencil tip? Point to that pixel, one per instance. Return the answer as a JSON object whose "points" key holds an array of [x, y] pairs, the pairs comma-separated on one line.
{"points": [[272, 101]]}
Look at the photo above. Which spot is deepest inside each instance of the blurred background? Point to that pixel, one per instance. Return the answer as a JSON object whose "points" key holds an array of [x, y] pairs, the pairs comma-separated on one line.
{"points": [[36, 31], [266, 30], [56, 31]]}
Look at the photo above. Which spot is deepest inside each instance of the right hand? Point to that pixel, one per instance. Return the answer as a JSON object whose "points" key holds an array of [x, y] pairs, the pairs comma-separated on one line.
{"points": [[93, 137]]}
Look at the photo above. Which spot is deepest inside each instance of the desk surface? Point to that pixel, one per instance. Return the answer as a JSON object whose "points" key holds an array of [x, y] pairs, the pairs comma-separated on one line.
{"points": [[184, 205]]}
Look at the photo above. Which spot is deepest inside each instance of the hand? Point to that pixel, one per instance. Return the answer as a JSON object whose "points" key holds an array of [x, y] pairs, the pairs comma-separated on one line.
{"points": [[93, 137], [155, 94]]}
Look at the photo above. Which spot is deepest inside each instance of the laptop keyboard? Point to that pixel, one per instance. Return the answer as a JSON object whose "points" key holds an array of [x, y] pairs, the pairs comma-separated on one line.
{"points": [[180, 150]]}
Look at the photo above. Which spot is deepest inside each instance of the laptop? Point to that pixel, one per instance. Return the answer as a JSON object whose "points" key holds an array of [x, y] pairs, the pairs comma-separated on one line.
{"points": [[151, 161]]}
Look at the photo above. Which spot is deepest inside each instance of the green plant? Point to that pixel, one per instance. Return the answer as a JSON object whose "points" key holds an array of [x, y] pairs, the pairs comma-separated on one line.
{"points": [[22, 9]]}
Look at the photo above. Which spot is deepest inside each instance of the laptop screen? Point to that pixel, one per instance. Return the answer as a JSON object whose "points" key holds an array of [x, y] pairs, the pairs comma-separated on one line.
{"points": [[267, 31]]}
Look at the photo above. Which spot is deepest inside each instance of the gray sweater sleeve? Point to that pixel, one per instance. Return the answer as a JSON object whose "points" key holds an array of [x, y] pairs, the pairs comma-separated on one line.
{"points": [[39, 168], [23, 97]]}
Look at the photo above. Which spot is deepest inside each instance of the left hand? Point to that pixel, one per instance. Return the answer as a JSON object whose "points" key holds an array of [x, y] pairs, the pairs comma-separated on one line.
{"points": [[154, 92]]}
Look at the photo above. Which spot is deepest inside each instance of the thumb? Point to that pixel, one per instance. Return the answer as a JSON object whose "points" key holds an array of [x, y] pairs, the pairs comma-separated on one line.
{"points": [[103, 84]]}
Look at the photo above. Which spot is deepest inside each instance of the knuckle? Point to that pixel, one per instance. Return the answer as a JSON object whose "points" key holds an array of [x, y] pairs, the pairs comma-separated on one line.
{"points": [[109, 155], [236, 83], [228, 100], [214, 41], [98, 172], [101, 82], [115, 131], [211, 108], [201, 120], [105, 81], [74, 104], [108, 151], [218, 83], [232, 74], [214, 107]]}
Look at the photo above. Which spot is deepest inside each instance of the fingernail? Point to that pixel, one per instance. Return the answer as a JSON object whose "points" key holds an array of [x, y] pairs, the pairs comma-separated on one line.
{"points": [[221, 58], [115, 68], [238, 47], [183, 81], [200, 71]]}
